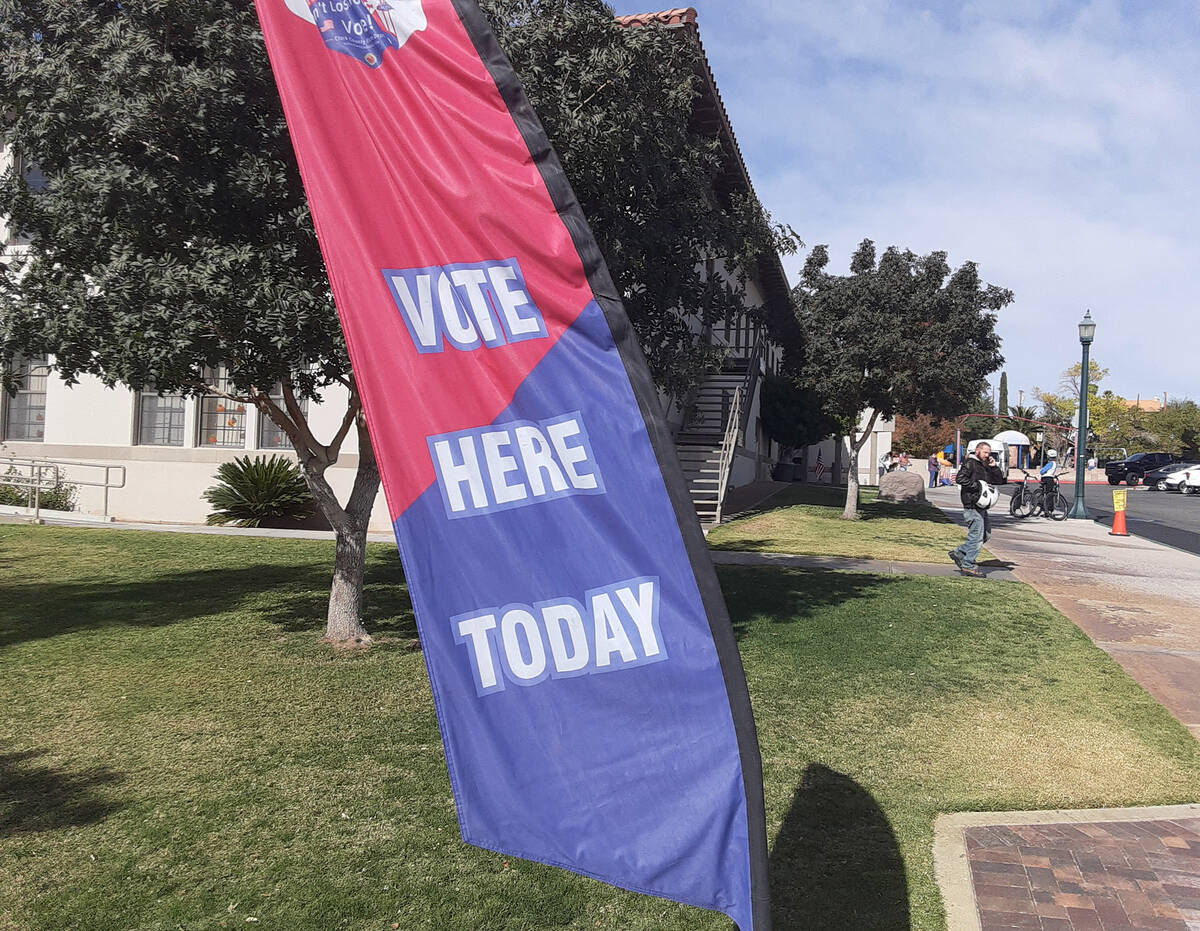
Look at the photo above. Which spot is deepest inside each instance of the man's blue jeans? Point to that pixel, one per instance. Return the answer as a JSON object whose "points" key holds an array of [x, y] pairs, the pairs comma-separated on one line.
{"points": [[978, 531]]}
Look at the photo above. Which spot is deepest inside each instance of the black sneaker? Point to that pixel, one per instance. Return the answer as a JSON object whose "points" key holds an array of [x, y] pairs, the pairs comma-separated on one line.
{"points": [[953, 554], [973, 573]]}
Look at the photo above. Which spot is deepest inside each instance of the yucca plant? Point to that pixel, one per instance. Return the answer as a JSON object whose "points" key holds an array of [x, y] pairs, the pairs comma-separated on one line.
{"points": [[250, 491]]}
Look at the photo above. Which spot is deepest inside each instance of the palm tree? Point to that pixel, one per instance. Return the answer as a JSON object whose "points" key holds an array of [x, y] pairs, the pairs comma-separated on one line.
{"points": [[1019, 413]]}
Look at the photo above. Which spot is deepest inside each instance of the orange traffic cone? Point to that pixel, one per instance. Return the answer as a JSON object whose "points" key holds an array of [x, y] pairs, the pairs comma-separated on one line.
{"points": [[1119, 525]]}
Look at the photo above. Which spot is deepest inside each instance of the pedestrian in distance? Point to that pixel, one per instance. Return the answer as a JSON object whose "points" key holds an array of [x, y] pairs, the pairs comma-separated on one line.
{"points": [[933, 470], [977, 479]]}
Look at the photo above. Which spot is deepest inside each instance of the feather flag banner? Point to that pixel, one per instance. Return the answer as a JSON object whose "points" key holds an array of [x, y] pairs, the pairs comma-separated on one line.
{"points": [[587, 682]]}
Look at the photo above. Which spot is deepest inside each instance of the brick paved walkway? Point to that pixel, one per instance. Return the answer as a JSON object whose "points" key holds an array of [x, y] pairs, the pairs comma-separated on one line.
{"points": [[1098, 876]]}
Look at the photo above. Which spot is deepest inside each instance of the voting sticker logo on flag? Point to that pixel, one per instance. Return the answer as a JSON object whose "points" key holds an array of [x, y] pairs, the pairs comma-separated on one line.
{"points": [[363, 29]]}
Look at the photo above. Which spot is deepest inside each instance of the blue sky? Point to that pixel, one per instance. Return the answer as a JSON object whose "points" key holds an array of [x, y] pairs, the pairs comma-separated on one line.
{"points": [[1055, 144]]}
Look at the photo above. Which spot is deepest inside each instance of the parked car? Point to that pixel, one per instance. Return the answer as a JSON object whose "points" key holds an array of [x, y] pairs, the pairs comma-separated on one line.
{"points": [[1132, 470], [1174, 482], [1167, 478], [1191, 482]]}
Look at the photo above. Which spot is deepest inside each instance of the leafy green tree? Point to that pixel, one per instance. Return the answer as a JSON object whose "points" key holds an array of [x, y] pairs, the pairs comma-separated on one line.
{"points": [[985, 423], [173, 234], [901, 334], [1177, 428], [618, 104], [792, 414], [1112, 420], [1068, 384], [1057, 409], [1002, 404]]}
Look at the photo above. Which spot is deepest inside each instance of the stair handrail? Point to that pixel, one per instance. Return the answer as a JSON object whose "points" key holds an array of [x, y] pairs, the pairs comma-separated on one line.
{"points": [[750, 384], [728, 447]]}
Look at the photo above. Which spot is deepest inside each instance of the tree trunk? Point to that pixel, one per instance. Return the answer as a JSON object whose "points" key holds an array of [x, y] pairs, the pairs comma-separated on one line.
{"points": [[854, 445], [852, 448], [345, 619], [346, 603]]}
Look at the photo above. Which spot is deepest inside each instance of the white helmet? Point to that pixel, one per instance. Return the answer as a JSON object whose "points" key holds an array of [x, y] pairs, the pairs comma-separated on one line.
{"points": [[988, 496], [1052, 453]]}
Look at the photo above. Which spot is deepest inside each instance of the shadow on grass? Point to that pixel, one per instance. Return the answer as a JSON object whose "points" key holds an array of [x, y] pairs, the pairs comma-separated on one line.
{"points": [[833, 497], [389, 609], [835, 862], [294, 597], [38, 796], [787, 595], [746, 544]]}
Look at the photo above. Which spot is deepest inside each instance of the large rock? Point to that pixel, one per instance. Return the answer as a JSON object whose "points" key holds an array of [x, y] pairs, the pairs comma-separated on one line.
{"points": [[901, 487]]}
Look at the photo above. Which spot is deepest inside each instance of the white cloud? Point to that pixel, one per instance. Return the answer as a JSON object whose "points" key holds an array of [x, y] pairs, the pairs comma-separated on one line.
{"points": [[1054, 143]]}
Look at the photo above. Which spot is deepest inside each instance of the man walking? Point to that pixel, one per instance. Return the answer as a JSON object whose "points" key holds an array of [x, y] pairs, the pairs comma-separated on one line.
{"points": [[979, 468]]}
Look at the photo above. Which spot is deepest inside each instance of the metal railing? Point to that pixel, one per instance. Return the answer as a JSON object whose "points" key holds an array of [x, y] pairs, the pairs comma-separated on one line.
{"points": [[728, 447], [750, 384], [38, 475]]}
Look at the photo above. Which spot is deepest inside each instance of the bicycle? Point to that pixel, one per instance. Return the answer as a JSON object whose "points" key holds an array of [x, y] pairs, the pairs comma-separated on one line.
{"points": [[1038, 497], [1024, 499]]}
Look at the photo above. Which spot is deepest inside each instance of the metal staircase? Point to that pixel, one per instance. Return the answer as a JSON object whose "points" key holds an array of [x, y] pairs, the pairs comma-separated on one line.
{"points": [[715, 419]]}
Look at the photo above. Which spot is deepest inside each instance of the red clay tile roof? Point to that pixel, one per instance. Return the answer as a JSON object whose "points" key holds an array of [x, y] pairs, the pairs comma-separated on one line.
{"points": [[676, 17]]}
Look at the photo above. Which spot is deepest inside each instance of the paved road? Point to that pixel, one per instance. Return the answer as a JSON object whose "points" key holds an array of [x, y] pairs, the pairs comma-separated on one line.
{"points": [[1165, 517]]}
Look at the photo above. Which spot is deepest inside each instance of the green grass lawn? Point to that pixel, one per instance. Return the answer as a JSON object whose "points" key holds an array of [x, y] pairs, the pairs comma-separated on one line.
{"points": [[807, 520], [179, 750]]}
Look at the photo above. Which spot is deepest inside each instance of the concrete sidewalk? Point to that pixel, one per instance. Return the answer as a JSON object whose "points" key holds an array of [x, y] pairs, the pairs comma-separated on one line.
{"points": [[1138, 600]]}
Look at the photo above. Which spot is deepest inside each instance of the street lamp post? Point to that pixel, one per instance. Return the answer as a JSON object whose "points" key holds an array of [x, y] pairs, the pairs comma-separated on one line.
{"points": [[1087, 331]]}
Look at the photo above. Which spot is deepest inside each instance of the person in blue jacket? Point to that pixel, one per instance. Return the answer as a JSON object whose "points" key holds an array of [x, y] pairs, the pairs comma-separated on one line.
{"points": [[1050, 469]]}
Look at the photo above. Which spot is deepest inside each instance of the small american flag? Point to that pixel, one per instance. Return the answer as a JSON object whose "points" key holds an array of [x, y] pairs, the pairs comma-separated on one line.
{"points": [[820, 465]]}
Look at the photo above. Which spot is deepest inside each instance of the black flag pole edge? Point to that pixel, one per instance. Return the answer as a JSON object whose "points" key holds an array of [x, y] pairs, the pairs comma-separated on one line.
{"points": [[605, 291]]}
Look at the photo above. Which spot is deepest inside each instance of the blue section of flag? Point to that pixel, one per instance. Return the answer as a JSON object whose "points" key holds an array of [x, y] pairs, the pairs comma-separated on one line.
{"points": [[584, 710]]}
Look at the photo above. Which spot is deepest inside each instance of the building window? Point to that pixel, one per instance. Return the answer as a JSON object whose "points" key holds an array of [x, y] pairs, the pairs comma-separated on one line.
{"points": [[29, 170], [160, 419], [25, 412], [222, 421], [270, 436]]}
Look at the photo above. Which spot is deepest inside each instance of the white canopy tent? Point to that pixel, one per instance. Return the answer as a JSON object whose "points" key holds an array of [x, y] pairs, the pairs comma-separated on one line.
{"points": [[1013, 438]]}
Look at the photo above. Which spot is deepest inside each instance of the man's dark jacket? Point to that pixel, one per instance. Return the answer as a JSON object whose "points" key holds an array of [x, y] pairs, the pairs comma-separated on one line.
{"points": [[971, 474]]}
